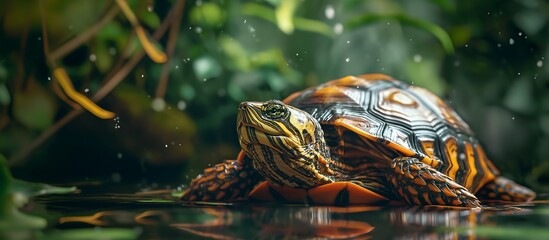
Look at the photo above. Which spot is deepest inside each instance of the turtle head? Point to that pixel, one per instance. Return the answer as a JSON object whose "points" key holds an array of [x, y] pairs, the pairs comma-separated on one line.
{"points": [[286, 144]]}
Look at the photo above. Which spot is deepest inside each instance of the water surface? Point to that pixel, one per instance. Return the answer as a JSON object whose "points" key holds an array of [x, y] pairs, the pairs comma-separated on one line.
{"points": [[158, 215]]}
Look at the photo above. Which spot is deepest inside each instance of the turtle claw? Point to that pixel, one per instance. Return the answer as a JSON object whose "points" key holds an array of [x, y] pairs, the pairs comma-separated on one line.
{"points": [[420, 184]]}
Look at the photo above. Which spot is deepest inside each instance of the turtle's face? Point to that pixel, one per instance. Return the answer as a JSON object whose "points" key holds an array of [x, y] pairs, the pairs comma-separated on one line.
{"points": [[286, 144]]}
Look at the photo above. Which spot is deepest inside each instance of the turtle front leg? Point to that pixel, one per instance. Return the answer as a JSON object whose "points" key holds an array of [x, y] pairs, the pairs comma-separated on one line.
{"points": [[504, 189], [230, 180], [420, 184]]}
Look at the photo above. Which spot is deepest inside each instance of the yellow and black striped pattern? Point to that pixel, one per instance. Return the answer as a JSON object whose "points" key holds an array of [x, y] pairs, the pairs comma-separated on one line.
{"points": [[287, 145]]}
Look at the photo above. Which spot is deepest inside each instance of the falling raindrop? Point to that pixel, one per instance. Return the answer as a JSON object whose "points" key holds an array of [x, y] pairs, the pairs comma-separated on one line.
{"points": [[347, 59], [86, 90], [49, 78], [511, 41], [338, 28], [329, 12], [158, 104], [520, 33], [142, 75], [181, 105], [539, 63], [244, 20], [417, 58], [348, 41]]}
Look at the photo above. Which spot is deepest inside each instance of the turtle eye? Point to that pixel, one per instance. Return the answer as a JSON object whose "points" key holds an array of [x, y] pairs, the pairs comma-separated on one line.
{"points": [[274, 110]]}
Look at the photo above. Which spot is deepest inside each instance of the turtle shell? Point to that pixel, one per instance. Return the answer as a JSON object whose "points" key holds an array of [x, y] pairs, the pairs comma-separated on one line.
{"points": [[371, 119]]}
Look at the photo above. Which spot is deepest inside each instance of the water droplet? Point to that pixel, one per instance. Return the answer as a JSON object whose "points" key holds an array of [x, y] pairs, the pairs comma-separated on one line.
{"points": [[158, 104], [49, 78], [466, 45], [204, 80], [150, 8], [166, 145], [518, 74], [511, 41], [198, 30], [252, 29], [119, 155], [348, 41], [116, 177], [329, 12], [338, 28], [142, 75], [499, 45], [112, 51], [512, 118], [347, 59], [417, 58], [93, 57], [539, 63], [388, 23], [244, 20], [176, 66], [297, 54], [181, 105], [39, 38], [86, 90], [520, 33]]}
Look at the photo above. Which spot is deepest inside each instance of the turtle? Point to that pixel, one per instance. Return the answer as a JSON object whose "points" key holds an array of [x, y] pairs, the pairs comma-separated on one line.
{"points": [[357, 140]]}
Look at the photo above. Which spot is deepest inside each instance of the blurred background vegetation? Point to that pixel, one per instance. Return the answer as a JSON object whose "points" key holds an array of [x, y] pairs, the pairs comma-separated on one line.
{"points": [[487, 58]]}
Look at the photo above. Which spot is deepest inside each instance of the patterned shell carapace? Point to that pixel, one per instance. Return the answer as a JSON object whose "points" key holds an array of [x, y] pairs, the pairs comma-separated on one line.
{"points": [[395, 118]]}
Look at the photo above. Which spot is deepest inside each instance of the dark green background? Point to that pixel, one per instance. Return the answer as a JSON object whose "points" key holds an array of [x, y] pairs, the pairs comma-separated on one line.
{"points": [[496, 76]]}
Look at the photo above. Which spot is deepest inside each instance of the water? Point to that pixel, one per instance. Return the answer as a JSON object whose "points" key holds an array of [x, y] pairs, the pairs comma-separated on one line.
{"points": [[158, 215]]}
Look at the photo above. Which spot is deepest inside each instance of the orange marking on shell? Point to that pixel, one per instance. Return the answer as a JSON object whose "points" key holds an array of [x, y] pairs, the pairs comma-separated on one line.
{"points": [[505, 197], [292, 195], [428, 147], [209, 170], [433, 187], [451, 151], [419, 181], [416, 201], [472, 168], [243, 174], [327, 193], [485, 168], [402, 98], [261, 192]]}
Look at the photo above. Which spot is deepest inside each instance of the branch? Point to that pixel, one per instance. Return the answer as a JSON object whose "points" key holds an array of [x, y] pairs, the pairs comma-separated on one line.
{"points": [[19, 157]]}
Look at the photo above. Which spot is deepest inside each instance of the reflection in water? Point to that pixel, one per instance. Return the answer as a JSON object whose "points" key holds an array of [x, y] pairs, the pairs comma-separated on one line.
{"points": [[161, 219]]}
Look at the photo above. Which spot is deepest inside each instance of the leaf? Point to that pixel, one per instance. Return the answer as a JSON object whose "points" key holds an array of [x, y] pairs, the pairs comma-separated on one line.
{"points": [[437, 31], [285, 14], [34, 107], [208, 15], [265, 13]]}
